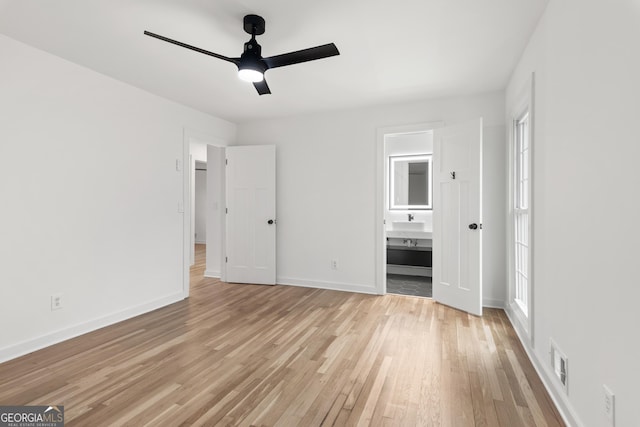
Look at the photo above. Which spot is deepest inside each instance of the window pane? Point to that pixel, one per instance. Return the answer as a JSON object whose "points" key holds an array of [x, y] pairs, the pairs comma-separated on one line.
{"points": [[521, 202]]}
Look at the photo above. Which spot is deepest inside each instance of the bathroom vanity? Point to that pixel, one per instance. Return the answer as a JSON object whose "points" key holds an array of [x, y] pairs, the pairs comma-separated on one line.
{"points": [[408, 216], [409, 246]]}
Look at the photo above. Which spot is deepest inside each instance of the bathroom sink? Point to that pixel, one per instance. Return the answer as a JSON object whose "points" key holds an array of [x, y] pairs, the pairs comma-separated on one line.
{"points": [[409, 234], [407, 226], [409, 230]]}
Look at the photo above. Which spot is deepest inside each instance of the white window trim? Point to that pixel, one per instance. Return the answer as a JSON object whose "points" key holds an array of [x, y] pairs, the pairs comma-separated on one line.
{"points": [[523, 105]]}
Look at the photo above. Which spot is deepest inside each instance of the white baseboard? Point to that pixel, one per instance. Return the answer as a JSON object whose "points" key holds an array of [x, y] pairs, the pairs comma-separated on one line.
{"points": [[212, 273], [349, 287], [334, 286], [558, 396], [55, 337], [493, 303]]}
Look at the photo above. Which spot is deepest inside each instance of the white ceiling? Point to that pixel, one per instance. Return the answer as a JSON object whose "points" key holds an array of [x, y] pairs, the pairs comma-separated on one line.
{"points": [[391, 51]]}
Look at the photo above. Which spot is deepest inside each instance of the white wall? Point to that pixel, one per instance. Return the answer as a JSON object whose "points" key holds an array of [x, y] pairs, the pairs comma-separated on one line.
{"points": [[585, 201], [326, 188], [90, 194], [200, 203], [198, 149]]}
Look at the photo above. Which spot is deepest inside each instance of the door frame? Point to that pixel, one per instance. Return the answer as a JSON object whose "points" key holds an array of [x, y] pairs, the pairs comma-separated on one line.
{"points": [[380, 203], [187, 165]]}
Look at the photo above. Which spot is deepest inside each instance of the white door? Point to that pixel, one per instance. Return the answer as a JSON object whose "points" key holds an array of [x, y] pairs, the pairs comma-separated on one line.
{"points": [[457, 216], [251, 214]]}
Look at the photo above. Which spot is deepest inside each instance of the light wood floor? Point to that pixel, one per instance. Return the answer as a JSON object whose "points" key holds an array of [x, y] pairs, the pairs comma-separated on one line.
{"points": [[261, 355]]}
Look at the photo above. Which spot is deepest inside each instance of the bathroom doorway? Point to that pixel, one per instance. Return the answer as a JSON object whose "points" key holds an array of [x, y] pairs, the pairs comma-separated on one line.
{"points": [[406, 210], [455, 231]]}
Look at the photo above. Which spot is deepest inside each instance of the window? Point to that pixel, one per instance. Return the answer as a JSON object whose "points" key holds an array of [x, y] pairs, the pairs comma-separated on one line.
{"points": [[521, 215]]}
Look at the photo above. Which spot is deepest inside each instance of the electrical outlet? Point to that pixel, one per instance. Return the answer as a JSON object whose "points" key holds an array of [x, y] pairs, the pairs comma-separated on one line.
{"points": [[56, 302], [334, 264], [609, 405]]}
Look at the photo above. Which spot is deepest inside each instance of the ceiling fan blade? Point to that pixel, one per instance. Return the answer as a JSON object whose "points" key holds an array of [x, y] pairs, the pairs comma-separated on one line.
{"points": [[197, 49], [304, 55], [262, 87]]}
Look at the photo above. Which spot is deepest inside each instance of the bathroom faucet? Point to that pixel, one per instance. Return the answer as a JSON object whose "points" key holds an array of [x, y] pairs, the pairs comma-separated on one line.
{"points": [[410, 217]]}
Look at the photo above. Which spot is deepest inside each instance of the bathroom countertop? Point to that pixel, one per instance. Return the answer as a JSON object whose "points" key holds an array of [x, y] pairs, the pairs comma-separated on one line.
{"points": [[410, 234]]}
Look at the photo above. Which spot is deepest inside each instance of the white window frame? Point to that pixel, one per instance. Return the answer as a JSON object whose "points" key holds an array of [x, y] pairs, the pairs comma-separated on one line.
{"points": [[520, 214], [523, 109]]}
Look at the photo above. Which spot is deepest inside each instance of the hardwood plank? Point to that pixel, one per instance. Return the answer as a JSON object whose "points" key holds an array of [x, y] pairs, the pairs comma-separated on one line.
{"points": [[278, 355]]}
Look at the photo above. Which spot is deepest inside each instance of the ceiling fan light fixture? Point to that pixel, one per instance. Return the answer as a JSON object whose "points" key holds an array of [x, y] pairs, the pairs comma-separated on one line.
{"points": [[251, 64], [250, 75]]}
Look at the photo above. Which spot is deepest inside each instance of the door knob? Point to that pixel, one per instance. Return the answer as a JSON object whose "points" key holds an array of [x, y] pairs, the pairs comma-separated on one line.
{"points": [[271, 222], [473, 226]]}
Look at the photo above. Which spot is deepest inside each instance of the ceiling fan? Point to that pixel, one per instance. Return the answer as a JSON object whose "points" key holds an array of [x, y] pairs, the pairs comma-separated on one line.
{"points": [[251, 65]]}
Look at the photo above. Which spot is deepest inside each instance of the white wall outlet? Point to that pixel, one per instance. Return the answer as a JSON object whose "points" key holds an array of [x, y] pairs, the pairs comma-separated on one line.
{"points": [[560, 365], [56, 302], [178, 165], [609, 406], [334, 264]]}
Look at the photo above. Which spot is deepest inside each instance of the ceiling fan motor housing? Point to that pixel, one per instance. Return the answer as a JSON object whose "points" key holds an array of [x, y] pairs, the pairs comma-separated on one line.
{"points": [[252, 57]]}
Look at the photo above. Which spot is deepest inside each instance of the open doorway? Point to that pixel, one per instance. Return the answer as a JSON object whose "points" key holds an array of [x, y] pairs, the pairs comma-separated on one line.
{"points": [[200, 204], [404, 209], [408, 213], [450, 218], [199, 218], [203, 174]]}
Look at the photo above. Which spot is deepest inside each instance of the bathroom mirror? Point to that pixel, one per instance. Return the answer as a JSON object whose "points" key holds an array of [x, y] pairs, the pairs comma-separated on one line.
{"points": [[410, 182]]}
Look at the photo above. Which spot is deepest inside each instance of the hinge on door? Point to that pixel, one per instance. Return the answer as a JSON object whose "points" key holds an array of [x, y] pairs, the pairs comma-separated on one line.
{"points": [[480, 226], [226, 161], [226, 259], [226, 210]]}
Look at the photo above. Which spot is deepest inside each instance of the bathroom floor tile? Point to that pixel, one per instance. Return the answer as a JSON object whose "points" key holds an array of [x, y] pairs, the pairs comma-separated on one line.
{"points": [[409, 285]]}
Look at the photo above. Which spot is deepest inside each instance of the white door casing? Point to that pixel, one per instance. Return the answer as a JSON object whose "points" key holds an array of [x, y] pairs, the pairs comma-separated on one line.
{"points": [[457, 191], [251, 206], [381, 188]]}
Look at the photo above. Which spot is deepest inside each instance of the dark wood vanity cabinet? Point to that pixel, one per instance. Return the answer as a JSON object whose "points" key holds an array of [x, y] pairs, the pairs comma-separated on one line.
{"points": [[414, 256]]}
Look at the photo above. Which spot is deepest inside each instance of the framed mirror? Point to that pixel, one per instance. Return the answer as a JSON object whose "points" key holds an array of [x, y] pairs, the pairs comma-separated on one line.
{"points": [[410, 182]]}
